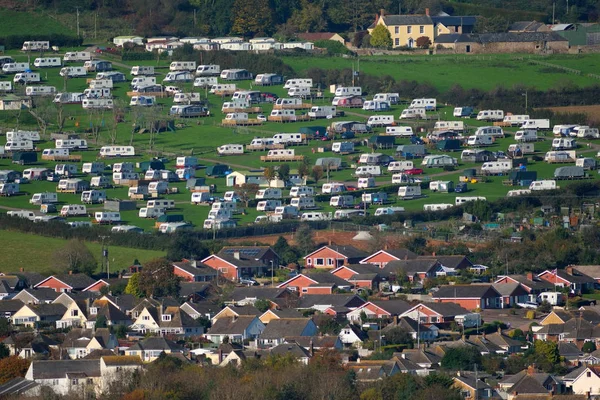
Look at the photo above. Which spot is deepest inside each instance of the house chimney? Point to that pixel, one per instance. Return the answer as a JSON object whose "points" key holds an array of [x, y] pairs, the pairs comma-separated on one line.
{"points": [[194, 263], [382, 12], [569, 270], [236, 255], [330, 242], [396, 320], [499, 329], [530, 276], [531, 369], [427, 12], [433, 254], [70, 272]]}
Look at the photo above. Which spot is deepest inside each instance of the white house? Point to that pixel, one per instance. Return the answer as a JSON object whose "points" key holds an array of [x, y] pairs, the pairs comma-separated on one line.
{"points": [[237, 329], [588, 382], [119, 41]]}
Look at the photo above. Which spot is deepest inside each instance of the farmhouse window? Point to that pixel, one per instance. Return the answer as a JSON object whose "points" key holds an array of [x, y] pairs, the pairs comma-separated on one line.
{"points": [[397, 41], [421, 29], [409, 29], [397, 30]]}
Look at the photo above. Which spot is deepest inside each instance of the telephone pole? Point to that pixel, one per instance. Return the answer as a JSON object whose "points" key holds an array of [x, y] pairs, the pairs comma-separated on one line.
{"points": [[105, 264], [77, 8]]}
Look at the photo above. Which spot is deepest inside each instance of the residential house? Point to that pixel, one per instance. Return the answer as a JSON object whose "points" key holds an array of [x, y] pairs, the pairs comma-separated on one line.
{"points": [[30, 345], [194, 271], [588, 381], [435, 313], [382, 257], [569, 277], [116, 368], [317, 283], [203, 309], [475, 296], [124, 302], [75, 315], [352, 336], [408, 367], [373, 370], [423, 358], [366, 276], [66, 376], [195, 291], [151, 348], [236, 329], [9, 307], [322, 303], [410, 326], [234, 263], [446, 24], [530, 282], [471, 388], [294, 350], [34, 315], [277, 330], [506, 345], [529, 382], [528, 26], [378, 310], [415, 270], [527, 386], [511, 293], [571, 353], [234, 312], [19, 387], [333, 256], [406, 29], [107, 310], [237, 357], [36, 296], [79, 342], [593, 271], [249, 294], [166, 320], [274, 313], [317, 343], [452, 262], [66, 283], [316, 36]]}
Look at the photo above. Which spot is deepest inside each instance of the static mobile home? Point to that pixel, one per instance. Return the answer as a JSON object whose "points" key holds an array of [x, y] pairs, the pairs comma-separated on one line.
{"points": [[117, 151], [427, 104], [235, 75], [182, 66], [78, 56], [490, 115]]}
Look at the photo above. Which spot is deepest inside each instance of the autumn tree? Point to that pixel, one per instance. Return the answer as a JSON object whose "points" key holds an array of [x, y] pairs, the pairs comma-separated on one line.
{"points": [[317, 173], [246, 192], [75, 257], [423, 42], [269, 173], [381, 38], [157, 279], [252, 17], [13, 367]]}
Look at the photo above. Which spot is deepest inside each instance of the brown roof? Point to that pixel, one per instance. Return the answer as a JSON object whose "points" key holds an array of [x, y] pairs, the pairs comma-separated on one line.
{"points": [[314, 36]]}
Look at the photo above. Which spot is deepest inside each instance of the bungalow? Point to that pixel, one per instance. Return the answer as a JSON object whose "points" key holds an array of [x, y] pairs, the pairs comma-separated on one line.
{"points": [[361, 275], [320, 283], [151, 348], [569, 277], [34, 315], [293, 350], [275, 314], [236, 329], [193, 271], [333, 256], [373, 370], [472, 388], [249, 294], [512, 293], [324, 302], [195, 291], [435, 313], [505, 344], [317, 343], [276, 332], [410, 326], [471, 297], [382, 257], [36, 296], [456, 262], [166, 320], [352, 336], [203, 309], [9, 307], [235, 263], [592, 271], [532, 285], [66, 283], [415, 270], [378, 310], [423, 358]]}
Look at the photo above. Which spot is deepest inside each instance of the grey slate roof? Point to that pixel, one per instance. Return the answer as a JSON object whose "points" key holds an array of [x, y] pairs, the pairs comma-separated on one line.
{"points": [[392, 20], [455, 38], [290, 348], [76, 281], [447, 309], [529, 385], [254, 292], [471, 382], [156, 343], [42, 294], [510, 289], [454, 20], [46, 310], [16, 386], [229, 326], [283, 327], [324, 278], [58, 369], [411, 267], [538, 284], [10, 306], [465, 291], [520, 37], [199, 270], [349, 251], [528, 26], [334, 300], [394, 307]]}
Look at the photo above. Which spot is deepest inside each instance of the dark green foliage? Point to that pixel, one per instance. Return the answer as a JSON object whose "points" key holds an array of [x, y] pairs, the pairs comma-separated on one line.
{"points": [[5, 327], [461, 358], [332, 47], [262, 305], [588, 347], [100, 322], [398, 336], [186, 246]]}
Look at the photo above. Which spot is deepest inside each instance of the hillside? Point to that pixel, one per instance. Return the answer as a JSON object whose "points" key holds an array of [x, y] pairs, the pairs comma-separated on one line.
{"points": [[21, 23]]}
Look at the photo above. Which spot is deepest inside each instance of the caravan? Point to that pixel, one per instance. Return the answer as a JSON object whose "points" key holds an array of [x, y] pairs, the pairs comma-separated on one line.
{"points": [[427, 104], [235, 75], [93, 196], [348, 91], [413, 113], [230, 149], [205, 81], [178, 77], [515, 120], [543, 185], [290, 83], [368, 171], [526, 135], [113, 76], [333, 187], [47, 62], [71, 144], [96, 167], [270, 193], [73, 210], [302, 191], [268, 205], [496, 167], [490, 115], [462, 200], [138, 70], [409, 192], [303, 203], [208, 70], [402, 131], [40, 91], [365, 183], [341, 201], [78, 56], [27, 77], [380, 120], [494, 131], [390, 98], [107, 217], [11, 68], [73, 72], [182, 66], [480, 140], [117, 151]]}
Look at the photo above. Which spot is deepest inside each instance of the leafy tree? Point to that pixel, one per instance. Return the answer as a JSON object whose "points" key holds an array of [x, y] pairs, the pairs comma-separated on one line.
{"points": [[304, 168], [269, 173], [133, 286], [317, 173], [423, 42], [247, 191], [545, 307], [461, 358], [101, 322], [283, 172], [75, 257], [5, 327], [547, 351], [252, 17], [13, 367], [4, 351], [491, 364], [120, 331], [400, 387], [185, 246], [157, 279], [398, 336], [262, 305], [438, 379], [304, 239], [588, 347], [309, 17], [380, 37]]}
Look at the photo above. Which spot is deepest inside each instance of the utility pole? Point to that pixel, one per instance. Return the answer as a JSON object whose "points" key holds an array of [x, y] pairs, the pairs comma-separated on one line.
{"points": [[105, 257], [418, 330], [95, 25], [476, 389], [77, 8]]}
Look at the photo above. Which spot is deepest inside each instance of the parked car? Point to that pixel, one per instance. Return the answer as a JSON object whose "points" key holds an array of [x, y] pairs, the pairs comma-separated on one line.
{"points": [[351, 188], [248, 282], [414, 171]]}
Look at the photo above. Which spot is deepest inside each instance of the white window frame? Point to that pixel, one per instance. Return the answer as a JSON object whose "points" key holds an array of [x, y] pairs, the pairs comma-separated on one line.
{"points": [[166, 317], [321, 263], [409, 29], [421, 29]]}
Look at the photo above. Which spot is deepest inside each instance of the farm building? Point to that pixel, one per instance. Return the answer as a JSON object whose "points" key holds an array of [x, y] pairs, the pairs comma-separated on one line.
{"points": [[405, 29], [444, 24], [316, 36], [238, 178], [511, 42]]}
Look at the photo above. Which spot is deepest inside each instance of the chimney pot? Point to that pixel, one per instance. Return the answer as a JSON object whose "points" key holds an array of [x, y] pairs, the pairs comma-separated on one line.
{"points": [[70, 272], [569, 270]]}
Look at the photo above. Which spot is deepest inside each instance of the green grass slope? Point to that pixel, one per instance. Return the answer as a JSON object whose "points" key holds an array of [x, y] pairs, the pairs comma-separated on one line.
{"points": [[28, 23]]}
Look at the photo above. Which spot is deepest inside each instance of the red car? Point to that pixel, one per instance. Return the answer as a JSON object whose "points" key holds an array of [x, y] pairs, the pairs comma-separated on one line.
{"points": [[414, 171], [351, 188]]}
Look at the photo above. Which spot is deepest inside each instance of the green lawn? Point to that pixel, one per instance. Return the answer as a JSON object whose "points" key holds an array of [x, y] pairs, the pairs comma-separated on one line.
{"points": [[22, 23], [36, 253]]}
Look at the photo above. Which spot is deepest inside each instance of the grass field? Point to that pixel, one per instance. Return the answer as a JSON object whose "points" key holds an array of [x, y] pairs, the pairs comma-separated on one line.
{"points": [[470, 71], [21, 23], [202, 136], [35, 253]]}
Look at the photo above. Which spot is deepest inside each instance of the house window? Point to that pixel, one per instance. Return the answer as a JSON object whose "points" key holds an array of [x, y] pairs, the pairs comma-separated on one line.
{"points": [[309, 261], [74, 313], [468, 48], [54, 382], [304, 290], [166, 317], [466, 394], [319, 261], [589, 374], [397, 42], [397, 30], [146, 318], [136, 314], [330, 261], [421, 29], [93, 310], [456, 29], [75, 381], [409, 29]]}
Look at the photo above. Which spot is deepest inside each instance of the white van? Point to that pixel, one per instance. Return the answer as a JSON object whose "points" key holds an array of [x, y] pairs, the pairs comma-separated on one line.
{"points": [[496, 167], [409, 192], [402, 131], [303, 203], [365, 183], [44, 198], [270, 193], [302, 191], [268, 205], [230, 149], [490, 115], [46, 62], [380, 120], [427, 104], [413, 113], [368, 170], [341, 201], [465, 199], [494, 131], [93, 196], [107, 217], [543, 185], [400, 166], [153, 212], [526, 135], [72, 210]]}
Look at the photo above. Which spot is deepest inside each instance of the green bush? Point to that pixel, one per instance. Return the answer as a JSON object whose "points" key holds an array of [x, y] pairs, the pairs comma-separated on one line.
{"points": [[333, 47]]}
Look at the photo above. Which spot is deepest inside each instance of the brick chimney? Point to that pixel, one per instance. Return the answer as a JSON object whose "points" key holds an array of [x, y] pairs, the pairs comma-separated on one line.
{"points": [[427, 12], [530, 276], [22, 269], [382, 12], [531, 369], [70, 272], [569, 270]]}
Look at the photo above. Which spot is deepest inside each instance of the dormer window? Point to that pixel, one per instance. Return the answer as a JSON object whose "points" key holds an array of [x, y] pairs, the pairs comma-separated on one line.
{"points": [[166, 317], [93, 310]]}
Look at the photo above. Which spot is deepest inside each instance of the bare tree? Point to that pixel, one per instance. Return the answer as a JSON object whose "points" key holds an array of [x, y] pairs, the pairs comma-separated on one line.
{"points": [[117, 116], [43, 112], [61, 116], [96, 116]]}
